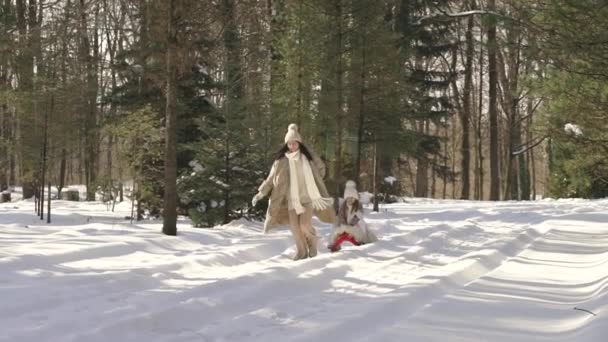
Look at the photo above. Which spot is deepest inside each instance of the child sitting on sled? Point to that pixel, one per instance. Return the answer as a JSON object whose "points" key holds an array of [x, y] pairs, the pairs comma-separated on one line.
{"points": [[351, 226]]}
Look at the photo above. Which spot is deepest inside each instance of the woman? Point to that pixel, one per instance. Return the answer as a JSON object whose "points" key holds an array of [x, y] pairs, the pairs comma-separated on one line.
{"points": [[297, 191]]}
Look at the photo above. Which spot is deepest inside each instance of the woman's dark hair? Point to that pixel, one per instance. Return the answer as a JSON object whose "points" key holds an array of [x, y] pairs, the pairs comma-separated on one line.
{"points": [[284, 149], [342, 212]]}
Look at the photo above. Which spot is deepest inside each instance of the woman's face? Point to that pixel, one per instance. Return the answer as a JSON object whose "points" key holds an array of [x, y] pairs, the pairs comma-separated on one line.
{"points": [[350, 200], [293, 145]]}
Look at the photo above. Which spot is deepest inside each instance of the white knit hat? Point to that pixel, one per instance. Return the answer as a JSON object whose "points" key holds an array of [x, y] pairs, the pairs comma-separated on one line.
{"points": [[350, 190], [292, 133]]}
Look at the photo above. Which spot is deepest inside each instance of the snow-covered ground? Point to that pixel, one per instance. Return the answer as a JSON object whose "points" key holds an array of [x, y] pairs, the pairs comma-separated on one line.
{"points": [[442, 271]]}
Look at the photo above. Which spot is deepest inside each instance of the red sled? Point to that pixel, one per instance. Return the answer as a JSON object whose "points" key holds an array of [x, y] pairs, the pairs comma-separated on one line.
{"points": [[335, 246]]}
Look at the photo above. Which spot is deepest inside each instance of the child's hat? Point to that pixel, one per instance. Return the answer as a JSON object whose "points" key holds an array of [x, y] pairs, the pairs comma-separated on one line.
{"points": [[350, 190], [293, 133]]}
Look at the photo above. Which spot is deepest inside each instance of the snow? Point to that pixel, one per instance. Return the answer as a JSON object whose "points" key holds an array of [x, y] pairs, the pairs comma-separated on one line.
{"points": [[365, 197], [441, 271], [573, 129], [390, 180], [219, 182]]}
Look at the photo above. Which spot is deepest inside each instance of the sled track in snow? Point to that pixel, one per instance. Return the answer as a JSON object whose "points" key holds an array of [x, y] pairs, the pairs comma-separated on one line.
{"points": [[559, 282], [229, 299], [427, 289]]}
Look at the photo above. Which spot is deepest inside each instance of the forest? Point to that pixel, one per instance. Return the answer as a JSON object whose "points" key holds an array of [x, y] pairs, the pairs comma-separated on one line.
{"points": [[182, 104]]}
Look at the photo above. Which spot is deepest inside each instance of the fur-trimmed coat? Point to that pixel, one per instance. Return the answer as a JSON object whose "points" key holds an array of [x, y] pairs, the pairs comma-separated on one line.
{"points": [[352, 223], [277, 185]]}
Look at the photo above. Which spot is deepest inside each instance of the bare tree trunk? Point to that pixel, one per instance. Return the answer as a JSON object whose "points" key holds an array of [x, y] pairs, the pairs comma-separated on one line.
{"points": [[375, 178], [515, 163], [4, 137], [524, 160], [493, 107], [62, 171], [5, 127], [278, 23], [361, 120], [112, 45], [434, 162], [34, 22], [339, 115], [445, 164], [433, 178], [467, 108], [360, 92], [25, 73], [474, 123], [12, 178], [47, 114], [454, 145], [170, 199], [510, 170], [4, 111], [459, 110], [532, 162], [300, 99], [64, 77], [422, 177], [40, 183], [48, 210], [480, 169], [89, 101], [3, 152]]}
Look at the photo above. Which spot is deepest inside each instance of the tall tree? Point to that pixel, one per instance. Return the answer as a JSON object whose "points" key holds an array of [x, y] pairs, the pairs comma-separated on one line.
{"points": [[493, 105], [234, 96], [467, 110], [173, 10], [335, 57], [89, 97], [278, 31], [509, 67], [423, 43]]}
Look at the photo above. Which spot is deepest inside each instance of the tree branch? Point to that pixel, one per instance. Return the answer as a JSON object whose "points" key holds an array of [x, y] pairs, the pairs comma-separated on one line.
{"points": [[526, 147], [445, 15], [532, 111]]}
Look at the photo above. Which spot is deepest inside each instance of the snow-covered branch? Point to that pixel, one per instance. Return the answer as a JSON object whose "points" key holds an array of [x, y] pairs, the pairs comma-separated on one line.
{"points": [[573, 129]]}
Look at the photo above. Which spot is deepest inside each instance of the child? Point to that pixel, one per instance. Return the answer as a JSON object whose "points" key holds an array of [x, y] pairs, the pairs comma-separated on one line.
{"points": [[351, 226]]}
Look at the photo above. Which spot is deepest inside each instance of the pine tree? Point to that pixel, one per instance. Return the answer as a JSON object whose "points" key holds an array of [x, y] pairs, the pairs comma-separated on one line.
{"points": [[375, 102], [573, 81], [423, 42]]}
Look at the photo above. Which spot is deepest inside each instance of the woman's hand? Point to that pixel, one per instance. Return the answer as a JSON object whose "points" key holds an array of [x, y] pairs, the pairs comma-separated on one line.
{"points": [[256, 199]]}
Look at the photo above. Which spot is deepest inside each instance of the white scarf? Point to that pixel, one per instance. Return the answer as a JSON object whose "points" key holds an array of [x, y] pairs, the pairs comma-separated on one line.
{"points": [[318, 202]]}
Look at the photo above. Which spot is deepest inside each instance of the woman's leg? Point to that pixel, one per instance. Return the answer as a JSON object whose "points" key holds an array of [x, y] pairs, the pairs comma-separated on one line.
{"points": [[298, 236], [309, 231]]}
